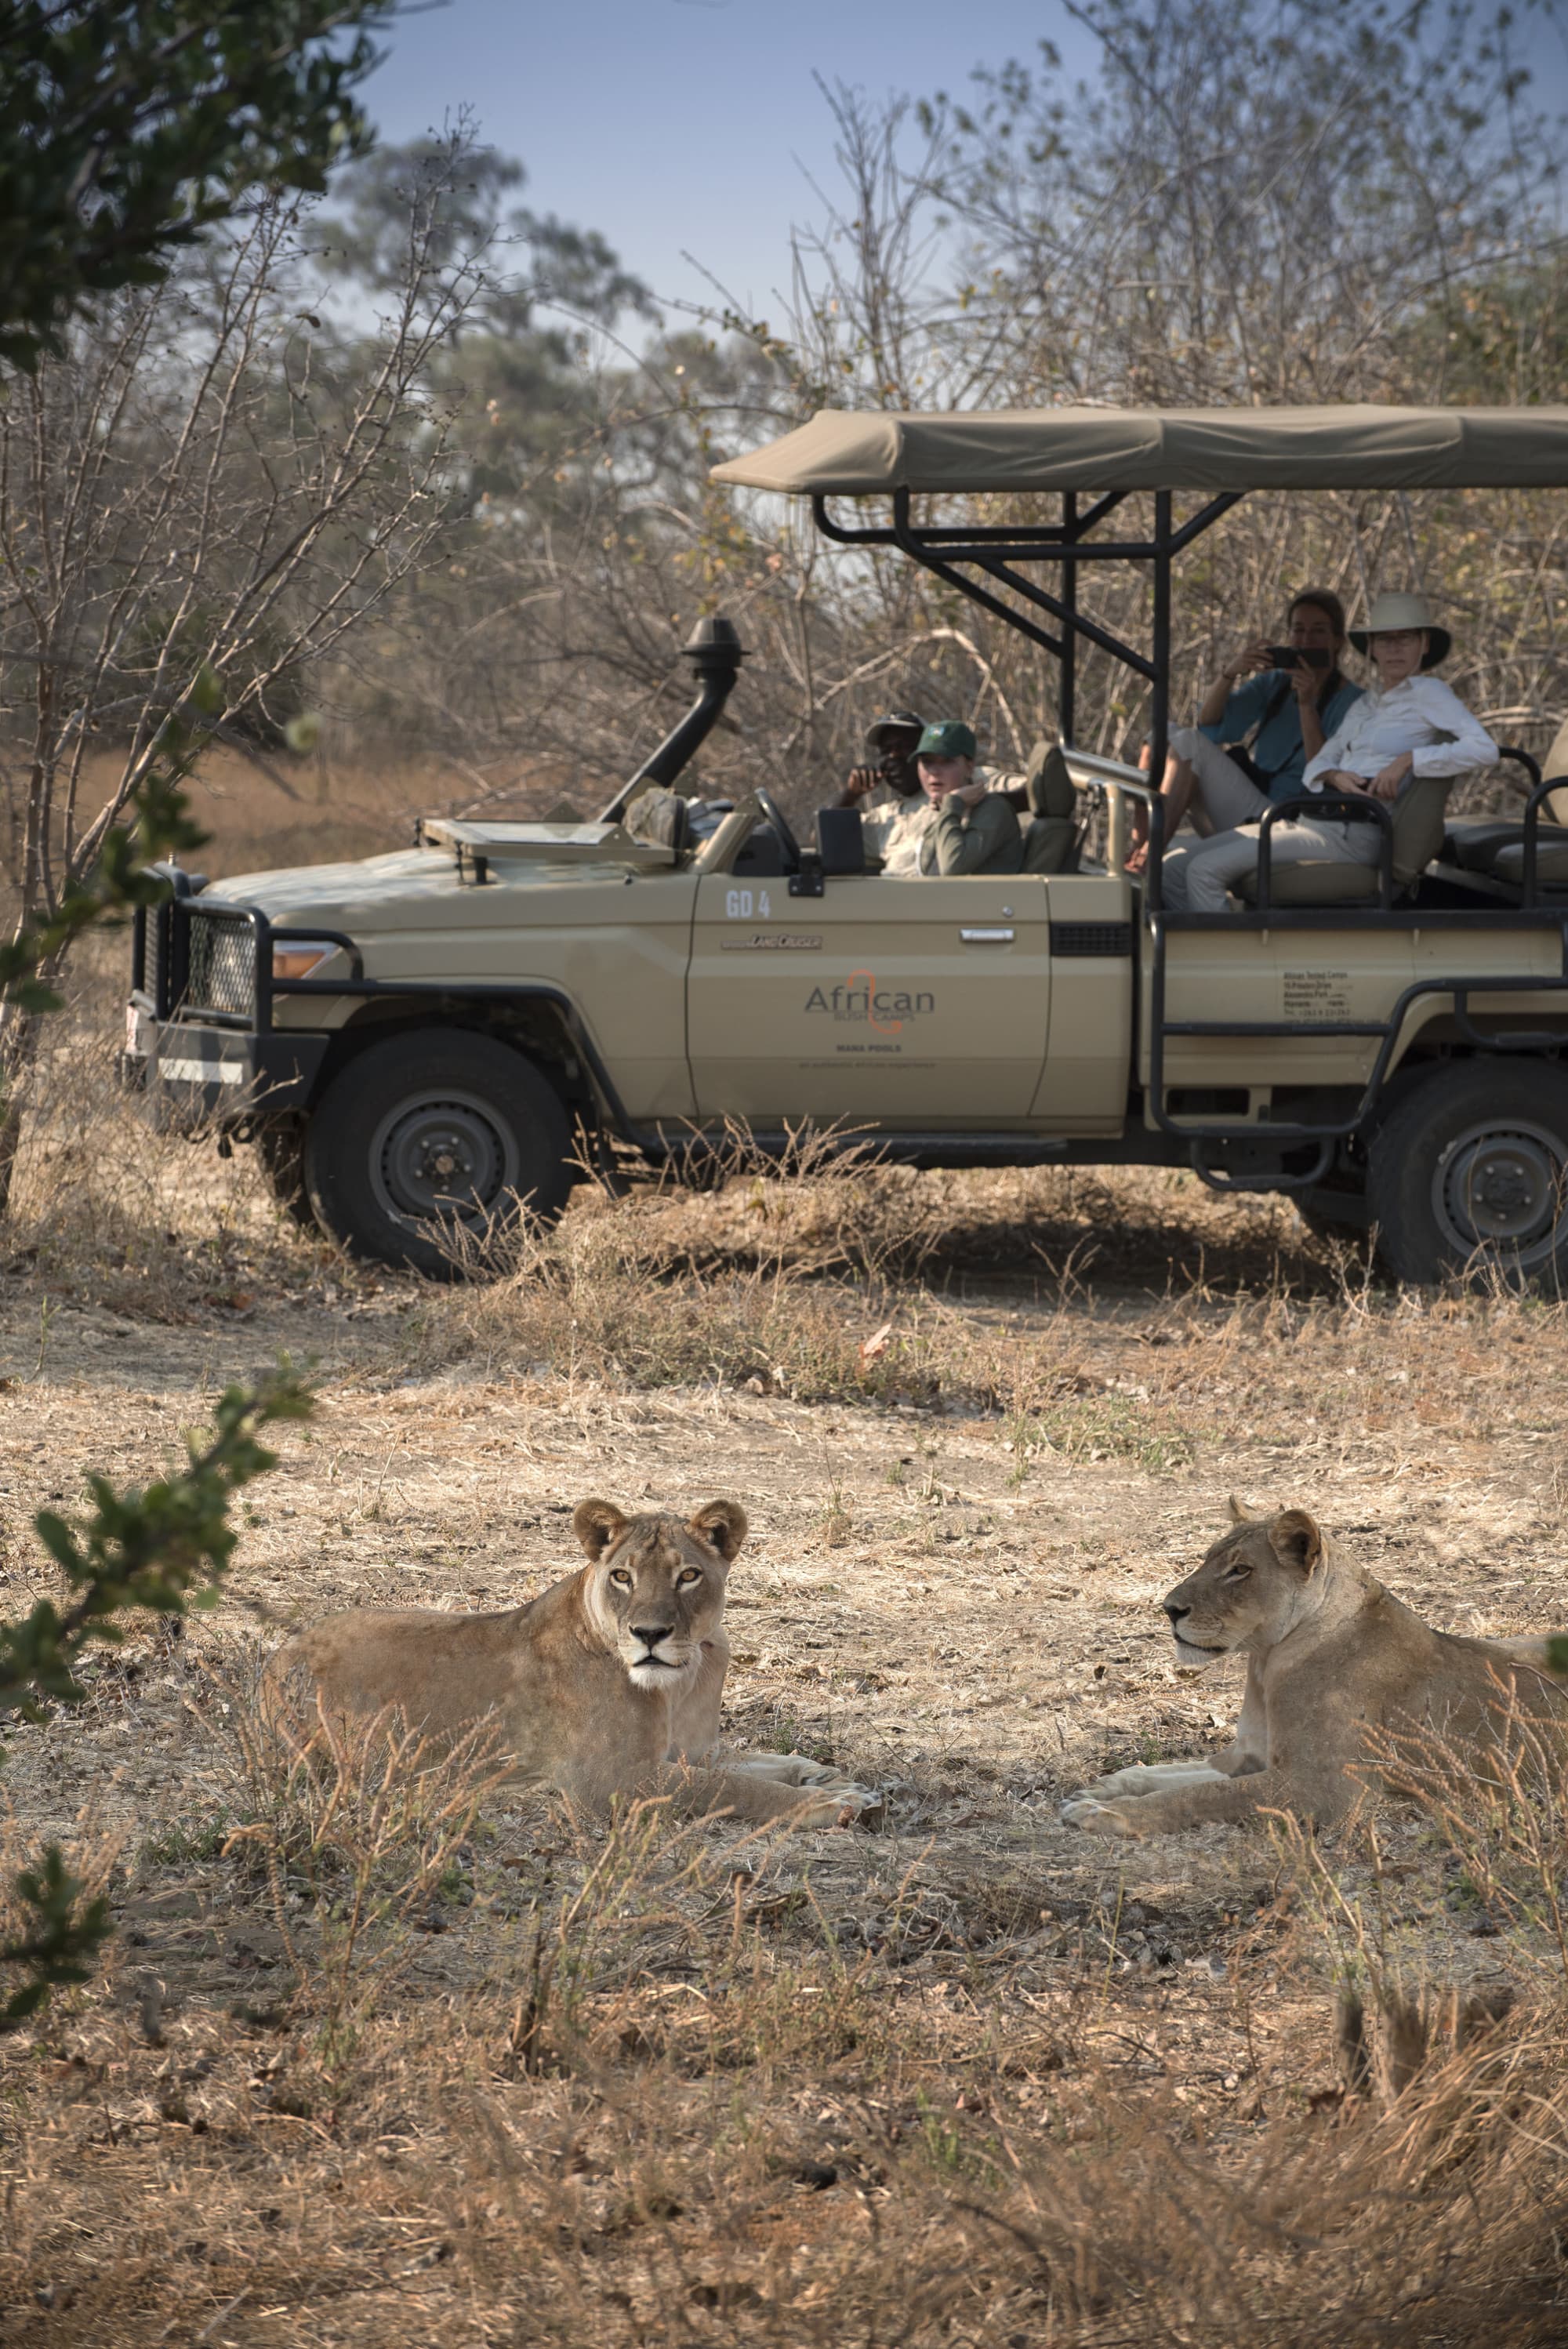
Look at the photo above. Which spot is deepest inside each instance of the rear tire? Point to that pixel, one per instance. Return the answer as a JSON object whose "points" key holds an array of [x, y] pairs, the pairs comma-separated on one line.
{"points": [[428, 1146], [1469, 1175]]}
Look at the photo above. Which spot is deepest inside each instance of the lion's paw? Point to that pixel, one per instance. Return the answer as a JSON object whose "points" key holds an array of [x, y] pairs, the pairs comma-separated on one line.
{"points": [[841, 1804], [799, 1770], [1096, 1817]]}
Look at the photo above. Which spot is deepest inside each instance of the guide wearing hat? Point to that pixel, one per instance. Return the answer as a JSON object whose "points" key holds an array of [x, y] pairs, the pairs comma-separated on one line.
{"points": [[1408, 724], [976, 830], [894, 835]]}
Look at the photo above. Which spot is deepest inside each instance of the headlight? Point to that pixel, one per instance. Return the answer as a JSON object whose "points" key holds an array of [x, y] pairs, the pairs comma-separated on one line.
{"points": [[302, 957]]}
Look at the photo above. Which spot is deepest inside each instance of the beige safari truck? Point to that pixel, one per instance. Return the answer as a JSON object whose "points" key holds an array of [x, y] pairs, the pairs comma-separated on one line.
{"points": [[420, 1040]]}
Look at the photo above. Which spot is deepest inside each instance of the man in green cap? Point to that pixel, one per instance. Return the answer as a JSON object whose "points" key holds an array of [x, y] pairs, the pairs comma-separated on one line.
{"points": [[973, 830]]}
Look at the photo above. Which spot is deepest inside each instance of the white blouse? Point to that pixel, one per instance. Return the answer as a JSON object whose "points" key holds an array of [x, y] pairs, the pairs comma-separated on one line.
{"points": [[1421, 715]]}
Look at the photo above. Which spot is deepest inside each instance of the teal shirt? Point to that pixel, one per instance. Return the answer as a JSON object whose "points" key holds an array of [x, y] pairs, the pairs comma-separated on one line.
{"points": [[1278, 751]]}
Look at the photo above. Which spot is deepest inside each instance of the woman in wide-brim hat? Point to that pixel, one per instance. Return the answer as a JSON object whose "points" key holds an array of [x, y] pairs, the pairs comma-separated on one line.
{"points": [[1392, 615], [1408, 724]]}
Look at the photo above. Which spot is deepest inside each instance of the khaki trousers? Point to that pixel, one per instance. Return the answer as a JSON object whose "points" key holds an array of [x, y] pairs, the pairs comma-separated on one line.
{"points": [[1196, 876]]}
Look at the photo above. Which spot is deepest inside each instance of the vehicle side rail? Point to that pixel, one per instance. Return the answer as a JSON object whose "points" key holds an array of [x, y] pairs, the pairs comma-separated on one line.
{"points": [[1327, 1134], [1119, 784]]}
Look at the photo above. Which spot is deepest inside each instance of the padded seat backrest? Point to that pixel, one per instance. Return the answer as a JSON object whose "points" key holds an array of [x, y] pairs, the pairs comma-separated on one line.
{"points": [[1048, 785], [1052, 843]]}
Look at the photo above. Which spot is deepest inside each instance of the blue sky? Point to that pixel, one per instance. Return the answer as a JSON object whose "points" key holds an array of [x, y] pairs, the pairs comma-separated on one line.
{"points": [[680, 127], [677, 125]]}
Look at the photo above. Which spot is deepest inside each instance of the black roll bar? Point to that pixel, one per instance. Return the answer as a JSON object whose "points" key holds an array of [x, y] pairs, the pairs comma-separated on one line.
{"points": [[995, 551], [1521, 759]]}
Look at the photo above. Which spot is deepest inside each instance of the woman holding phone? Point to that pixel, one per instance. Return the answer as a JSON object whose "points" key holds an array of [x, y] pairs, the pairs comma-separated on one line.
{"points": [[1295, 698], [1411, 724]]}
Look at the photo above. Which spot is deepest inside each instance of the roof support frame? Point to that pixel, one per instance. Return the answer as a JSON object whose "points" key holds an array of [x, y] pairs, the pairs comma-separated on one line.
{"points": [[945, 550], [942, 549]]}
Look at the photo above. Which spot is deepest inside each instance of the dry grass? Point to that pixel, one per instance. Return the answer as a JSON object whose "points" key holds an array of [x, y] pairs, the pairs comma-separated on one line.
{"points": [[381, 2055], [657, 2091]]}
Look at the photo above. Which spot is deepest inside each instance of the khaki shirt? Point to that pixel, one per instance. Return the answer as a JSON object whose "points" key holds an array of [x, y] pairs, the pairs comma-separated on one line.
{"points": [[895, 837]]}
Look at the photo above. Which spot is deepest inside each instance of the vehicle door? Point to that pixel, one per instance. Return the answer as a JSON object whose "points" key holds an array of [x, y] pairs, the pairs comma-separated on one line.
{"points": [[911, 1001]]}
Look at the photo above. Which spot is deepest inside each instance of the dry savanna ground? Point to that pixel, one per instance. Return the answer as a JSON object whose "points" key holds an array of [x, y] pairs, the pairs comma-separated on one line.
{"points": [[381, 2055]]}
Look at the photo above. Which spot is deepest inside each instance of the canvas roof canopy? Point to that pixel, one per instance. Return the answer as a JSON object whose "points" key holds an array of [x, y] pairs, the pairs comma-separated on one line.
{"points": [[840, 454]]}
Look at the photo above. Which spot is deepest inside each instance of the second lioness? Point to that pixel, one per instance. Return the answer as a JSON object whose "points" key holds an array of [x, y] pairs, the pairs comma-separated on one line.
{"points": [[1330, 1654], [607, 1683]]}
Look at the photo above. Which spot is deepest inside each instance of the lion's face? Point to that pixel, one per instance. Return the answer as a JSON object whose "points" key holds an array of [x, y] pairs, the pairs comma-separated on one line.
{"points": [[655, 1589], [1249, 1590]]}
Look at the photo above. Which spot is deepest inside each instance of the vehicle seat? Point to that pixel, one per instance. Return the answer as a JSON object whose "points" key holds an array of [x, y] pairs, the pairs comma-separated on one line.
{"points": [[1551, 857], [1477, 847], [1052, 843], [1419, 827], [1048, 787], [1053, 836]]}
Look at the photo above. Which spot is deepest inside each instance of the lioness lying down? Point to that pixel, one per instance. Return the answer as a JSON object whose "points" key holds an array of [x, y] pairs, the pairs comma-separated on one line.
{"points": [[1329, 1652], [607, 1683]]}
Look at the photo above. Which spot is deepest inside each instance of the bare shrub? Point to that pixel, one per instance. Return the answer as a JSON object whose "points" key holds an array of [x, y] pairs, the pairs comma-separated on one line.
{"points": [[358, 1828], [105, 1207]]}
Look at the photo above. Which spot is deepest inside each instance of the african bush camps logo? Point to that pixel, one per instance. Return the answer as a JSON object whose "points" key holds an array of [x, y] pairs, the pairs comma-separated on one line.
{"points": [[859, 998]]}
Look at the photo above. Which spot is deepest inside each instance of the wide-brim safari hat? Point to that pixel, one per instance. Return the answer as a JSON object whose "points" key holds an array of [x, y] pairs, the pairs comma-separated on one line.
{"points": [[1404, 612]]}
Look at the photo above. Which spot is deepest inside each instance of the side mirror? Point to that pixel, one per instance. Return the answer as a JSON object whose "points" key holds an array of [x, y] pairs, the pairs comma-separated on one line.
{"points": [[840, 841]]}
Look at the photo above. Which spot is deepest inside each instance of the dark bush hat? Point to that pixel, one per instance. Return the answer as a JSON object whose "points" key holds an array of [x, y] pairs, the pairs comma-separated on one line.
{"points": [[897, 722]]}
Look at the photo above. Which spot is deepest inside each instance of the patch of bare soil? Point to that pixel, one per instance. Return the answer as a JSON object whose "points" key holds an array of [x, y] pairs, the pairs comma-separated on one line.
{"points": [[975, 2077]]}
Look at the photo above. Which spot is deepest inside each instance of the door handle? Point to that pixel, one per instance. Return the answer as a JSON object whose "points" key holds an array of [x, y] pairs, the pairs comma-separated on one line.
{"points": [[986, 937]]}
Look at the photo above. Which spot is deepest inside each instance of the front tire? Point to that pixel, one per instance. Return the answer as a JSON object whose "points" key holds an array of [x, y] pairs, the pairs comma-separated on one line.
{"points": [[428, 1146], [1469, 1175]]}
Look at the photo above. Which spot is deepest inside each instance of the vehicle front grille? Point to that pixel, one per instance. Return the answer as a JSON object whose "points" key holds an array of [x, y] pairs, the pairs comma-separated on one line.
{"points": [[220, 963]]}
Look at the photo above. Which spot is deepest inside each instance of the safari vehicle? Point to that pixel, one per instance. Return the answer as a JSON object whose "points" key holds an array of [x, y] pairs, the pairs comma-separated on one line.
{"points": [[418, 1041]]}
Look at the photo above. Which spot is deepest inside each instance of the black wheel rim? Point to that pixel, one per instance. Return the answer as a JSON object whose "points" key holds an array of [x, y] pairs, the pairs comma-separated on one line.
{"points": [[444, 1157], [1500, 1193]]}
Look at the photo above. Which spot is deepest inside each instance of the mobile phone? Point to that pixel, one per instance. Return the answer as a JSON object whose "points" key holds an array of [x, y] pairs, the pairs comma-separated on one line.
{"points": [[1298, 656]]}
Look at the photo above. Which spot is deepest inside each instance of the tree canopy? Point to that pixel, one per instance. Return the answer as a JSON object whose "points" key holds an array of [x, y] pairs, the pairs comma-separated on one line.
{"points": [[129, 126]]}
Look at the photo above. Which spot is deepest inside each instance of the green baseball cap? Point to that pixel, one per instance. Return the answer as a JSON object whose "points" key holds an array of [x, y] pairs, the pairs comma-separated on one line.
{"points": [[948, 739]]}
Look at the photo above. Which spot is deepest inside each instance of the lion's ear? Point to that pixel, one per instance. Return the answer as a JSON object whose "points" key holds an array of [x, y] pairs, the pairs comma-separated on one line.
{"points": [[596, 1525], [722, 1525], [1240, 1513], [1297, 1541]]}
